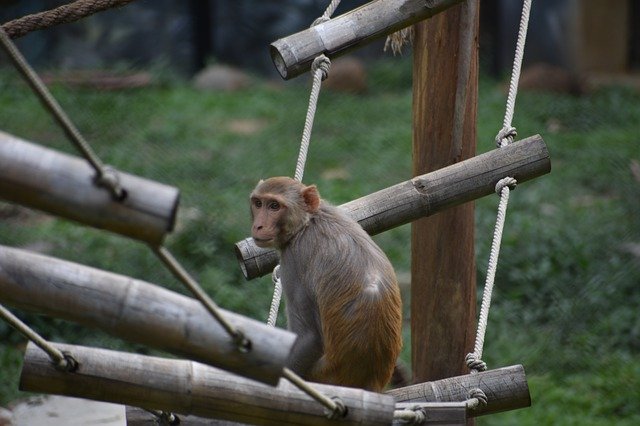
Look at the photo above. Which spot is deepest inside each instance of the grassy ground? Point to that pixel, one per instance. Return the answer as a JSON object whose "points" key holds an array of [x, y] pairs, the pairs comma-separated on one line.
{"points": [[568, 282]]}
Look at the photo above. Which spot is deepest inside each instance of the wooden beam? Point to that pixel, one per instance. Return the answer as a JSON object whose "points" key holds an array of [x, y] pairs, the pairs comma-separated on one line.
{"points": [[294, 54], [187, 387], [140, 312], [64, 186], [424, 195], [506, 389], [443, 271]]}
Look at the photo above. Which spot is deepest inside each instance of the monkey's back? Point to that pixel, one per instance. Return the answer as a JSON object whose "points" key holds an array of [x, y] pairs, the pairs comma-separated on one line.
{"points": [[353, 287]]}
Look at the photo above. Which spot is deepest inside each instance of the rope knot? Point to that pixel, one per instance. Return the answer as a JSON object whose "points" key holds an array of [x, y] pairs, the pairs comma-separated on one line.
{"points": [[321, 20], [477, 399], [109, 178], [474, 363], [504, 183], [323, 64], [420, 415], [339, 411], [505, 136], [67, 363]]}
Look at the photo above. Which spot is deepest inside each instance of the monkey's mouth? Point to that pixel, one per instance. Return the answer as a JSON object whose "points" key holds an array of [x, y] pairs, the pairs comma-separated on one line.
{"points": [[263, 242]]}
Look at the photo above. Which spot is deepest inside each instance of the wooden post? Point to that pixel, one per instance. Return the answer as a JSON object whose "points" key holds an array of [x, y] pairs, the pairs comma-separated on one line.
{"points": [[63, 185], [140, 312], [186, 387], [442, 262], [424, 195]]}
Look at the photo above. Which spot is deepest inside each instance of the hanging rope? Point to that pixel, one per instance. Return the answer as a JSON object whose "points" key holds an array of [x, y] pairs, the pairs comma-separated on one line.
{"points": [[105, 176], [320, 69], [503, 188], [61, 15], [61, 360], [242, 343], [335, 406]]}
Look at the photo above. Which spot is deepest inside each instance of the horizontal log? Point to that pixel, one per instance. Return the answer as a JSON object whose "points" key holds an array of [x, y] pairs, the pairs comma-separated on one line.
{"points": [[63, 185], [294, 54], [141, 417], [140, 312], [186, 387], [506, 389], [424, 195]]}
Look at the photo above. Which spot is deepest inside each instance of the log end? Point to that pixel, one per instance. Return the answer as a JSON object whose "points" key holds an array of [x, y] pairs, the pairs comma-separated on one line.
{"points": [[255, 261]]}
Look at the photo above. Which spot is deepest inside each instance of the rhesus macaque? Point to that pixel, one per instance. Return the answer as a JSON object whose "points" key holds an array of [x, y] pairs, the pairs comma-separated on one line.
{"points": [[342, 296]]}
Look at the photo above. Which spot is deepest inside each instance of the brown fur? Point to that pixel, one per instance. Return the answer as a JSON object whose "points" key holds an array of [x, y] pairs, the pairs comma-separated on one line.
{"points": [[342, 295]]}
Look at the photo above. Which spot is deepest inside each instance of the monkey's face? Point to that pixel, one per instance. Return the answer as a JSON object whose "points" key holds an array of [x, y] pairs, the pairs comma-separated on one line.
{"points": [[268, 213]]}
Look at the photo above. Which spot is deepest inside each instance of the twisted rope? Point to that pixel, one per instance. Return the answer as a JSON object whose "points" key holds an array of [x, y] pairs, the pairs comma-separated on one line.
{"points": [[320, 68], [61, 15], [327, 13], [411, 416], [277, 295], [335, 406], [504, 137], [242, 343], [105, 176], [62, 361]]}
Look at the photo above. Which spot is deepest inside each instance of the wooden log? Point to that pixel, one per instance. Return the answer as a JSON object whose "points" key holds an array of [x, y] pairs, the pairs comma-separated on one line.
{"points": [[424, 195], [294, 54], [140, 312], [186, 387], [64, 186], [506, 389]]}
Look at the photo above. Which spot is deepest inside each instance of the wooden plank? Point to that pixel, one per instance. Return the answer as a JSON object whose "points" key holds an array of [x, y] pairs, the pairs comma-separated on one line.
{"points": [[186, 387], [506, 389], [443, 272], [63, 185], [424, 195], [294, 54], [140, 312]]}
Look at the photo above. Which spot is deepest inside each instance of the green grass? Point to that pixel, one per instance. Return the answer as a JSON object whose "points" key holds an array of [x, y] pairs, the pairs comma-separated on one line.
{"points": [[568, 282]]}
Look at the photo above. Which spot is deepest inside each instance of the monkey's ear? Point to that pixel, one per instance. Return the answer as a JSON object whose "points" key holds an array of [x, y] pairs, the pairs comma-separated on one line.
{"points": [[311, 198]]}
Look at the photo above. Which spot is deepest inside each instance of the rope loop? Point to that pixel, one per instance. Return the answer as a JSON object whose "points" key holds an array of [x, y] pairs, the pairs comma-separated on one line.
{"points": [[505, 136], [109, 178], [477, 399], [339, 410], [67, 363], [474, 363], [508, 182], [321, 20], [322, 63]]}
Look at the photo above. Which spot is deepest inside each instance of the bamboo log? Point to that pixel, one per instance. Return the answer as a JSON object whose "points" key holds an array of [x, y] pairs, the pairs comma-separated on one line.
{"points": [[140, 312], [294, 54], [186, 387], [64, 186], [506, 389], [424, 195]]}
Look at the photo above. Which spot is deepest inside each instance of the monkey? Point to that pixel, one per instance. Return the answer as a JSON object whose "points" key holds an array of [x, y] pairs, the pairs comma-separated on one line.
{"points": [[341, 293]]}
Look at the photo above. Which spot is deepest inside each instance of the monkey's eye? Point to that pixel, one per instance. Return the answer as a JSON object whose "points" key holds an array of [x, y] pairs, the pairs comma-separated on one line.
{"points": [[274, 205], [257, 202]]}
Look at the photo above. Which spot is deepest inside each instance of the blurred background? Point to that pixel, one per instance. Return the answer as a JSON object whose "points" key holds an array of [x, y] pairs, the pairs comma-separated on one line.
{"points": [[185, 93]]}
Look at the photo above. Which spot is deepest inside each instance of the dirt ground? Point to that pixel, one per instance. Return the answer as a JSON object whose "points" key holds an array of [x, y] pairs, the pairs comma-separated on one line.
{"points": [[54, 410]]}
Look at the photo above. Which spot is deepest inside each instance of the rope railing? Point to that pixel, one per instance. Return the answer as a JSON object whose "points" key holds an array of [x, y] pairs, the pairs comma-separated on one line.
{"points": [[61, 15], [61, 360], [505, 136], [105, 176]]}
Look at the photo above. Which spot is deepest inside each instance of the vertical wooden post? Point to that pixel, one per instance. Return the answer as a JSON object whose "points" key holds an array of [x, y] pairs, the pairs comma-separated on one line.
{"points": [[445, 85]]}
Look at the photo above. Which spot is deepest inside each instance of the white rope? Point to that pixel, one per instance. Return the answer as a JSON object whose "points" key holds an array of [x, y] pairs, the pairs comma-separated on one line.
{"points": [[320, 68], [277, 295], [503, 188]]}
